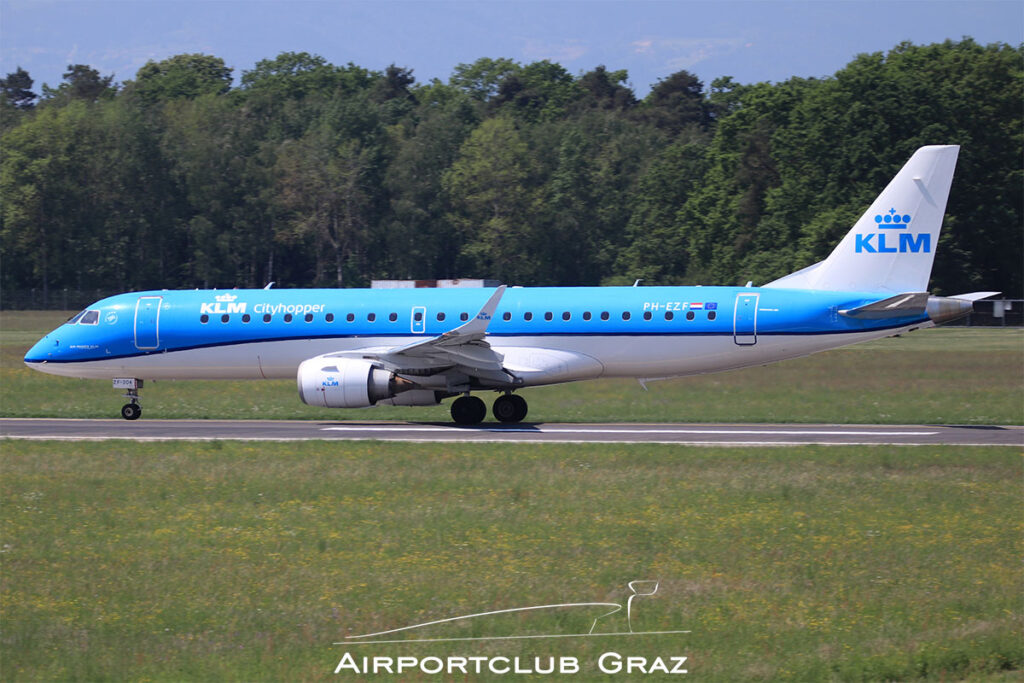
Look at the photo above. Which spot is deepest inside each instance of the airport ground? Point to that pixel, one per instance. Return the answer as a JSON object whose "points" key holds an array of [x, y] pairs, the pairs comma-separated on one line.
{"points": [[231, 560], [937, 376]]}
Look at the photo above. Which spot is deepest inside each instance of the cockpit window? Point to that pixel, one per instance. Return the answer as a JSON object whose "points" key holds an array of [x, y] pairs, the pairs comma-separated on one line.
{"points": [[74, 319], [89, 318]]}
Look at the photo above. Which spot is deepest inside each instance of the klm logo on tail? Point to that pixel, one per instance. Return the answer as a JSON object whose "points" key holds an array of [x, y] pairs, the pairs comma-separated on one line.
{"points": [[893, 243]]}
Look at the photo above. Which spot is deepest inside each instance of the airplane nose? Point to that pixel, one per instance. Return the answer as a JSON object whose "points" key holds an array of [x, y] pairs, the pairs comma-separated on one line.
{"points": [[43, 350]]}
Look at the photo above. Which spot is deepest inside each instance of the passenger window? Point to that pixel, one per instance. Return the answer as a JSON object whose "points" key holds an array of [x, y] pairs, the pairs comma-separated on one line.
{"points": [[712, 315], [417, 316], [527, 316], [90, 318], [309, 317], [586, 315], [566, 315], [463, 316], [689, 315], [246, 318], [393, 317], [287, 317], [604, 315], [548, 316], [370, 317], [204, 318], [647, 315], [669, 315], [329, 317], [266, 317], [350, 317], [224, 318], [506, 316], [440, 317], [625, 315]]}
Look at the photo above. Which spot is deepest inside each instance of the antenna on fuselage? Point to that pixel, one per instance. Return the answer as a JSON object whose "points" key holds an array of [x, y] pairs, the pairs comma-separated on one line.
{"points": [[638, 281], [269, 285]]}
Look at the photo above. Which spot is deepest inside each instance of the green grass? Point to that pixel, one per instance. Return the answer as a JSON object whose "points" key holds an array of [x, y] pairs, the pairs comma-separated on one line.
{"points": [[944, 375], [240, 561]]}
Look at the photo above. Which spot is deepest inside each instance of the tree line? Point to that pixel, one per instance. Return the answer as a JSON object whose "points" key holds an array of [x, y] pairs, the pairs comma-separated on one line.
{"points": [[312, 174]]}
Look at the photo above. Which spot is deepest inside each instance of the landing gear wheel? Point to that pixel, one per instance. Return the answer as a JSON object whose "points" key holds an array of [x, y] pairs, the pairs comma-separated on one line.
{"points": [[510, 408], [468, 410], [130, 410]]}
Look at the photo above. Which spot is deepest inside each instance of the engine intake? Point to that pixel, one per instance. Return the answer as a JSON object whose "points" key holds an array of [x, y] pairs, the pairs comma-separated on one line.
{"points": [[328, 382]]}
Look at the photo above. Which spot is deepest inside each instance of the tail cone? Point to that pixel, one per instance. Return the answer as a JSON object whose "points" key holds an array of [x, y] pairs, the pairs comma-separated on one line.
{"points": [[942, 309]]}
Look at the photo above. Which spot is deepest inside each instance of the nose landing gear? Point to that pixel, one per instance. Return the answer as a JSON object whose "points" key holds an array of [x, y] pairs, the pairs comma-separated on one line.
{"points": [[131, 410]]}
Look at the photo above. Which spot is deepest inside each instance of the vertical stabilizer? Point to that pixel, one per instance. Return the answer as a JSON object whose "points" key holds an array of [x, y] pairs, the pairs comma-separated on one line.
{"points": [[892, 247]]}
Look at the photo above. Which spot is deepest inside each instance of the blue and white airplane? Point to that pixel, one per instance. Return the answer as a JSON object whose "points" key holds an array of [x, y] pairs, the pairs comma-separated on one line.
{"points": [[352, 348]]}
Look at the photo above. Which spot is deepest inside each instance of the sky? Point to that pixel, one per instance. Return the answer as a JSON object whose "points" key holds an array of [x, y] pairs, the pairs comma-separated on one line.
{"points": [[750, 40]]}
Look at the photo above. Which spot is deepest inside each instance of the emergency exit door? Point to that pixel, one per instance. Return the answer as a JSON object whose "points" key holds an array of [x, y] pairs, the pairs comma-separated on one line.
{"points": [[744, 326], [147, 322], [418, 321]]}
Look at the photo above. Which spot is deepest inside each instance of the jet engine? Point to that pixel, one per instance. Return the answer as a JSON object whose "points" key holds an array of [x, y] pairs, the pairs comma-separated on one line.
{"points": [[328, 382]]}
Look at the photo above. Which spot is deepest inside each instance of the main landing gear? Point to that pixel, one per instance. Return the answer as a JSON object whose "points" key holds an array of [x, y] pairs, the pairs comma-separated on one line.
{"points": [[471, 410], [510, 408], [133, 409]]}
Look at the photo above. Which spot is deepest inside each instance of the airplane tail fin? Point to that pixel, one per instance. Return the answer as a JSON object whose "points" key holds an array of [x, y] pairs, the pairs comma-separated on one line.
{"points": [[892, 247]]}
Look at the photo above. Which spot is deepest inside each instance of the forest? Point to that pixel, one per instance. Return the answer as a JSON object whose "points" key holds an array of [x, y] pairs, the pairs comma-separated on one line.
{"points": [[306, 173]]}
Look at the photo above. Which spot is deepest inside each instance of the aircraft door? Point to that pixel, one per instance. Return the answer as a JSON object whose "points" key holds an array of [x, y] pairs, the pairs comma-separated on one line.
{"points": [[147, 322], [744, 325], [418, 320]]}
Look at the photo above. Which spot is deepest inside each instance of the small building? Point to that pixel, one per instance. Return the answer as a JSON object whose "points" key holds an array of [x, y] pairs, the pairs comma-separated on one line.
{"points": [[417, 284]]}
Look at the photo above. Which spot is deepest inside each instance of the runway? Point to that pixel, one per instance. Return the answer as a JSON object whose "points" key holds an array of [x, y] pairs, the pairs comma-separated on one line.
{"points": [[682, 434]]}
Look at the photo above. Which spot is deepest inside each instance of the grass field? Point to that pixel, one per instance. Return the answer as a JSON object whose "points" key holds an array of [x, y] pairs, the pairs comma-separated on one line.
{"points": [[944, 375], [229, 561], [246, 561]]}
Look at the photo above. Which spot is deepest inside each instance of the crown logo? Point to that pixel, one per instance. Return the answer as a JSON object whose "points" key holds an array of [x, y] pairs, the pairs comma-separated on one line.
{"points": [[226, 298], [893, 220]]}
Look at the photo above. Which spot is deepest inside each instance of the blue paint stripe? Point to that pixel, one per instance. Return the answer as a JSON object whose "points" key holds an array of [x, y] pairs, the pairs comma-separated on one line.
{"points": [[409, 337]]}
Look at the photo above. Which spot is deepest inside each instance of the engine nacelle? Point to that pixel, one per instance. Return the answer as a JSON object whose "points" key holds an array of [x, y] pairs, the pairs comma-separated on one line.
{"points": [[415, 397], [328, 382]]}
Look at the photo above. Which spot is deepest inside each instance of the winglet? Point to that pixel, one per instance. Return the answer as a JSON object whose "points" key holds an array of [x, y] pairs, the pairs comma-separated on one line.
{"points": [[471, 331], [476, 327]]}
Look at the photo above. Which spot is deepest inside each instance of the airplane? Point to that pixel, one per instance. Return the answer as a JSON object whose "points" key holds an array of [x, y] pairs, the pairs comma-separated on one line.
{"points": [[353, 348]]}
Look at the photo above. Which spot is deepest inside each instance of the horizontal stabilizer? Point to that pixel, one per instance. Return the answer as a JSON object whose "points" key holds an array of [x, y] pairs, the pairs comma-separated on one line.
{"points": [[899, 306], [974, 296]]}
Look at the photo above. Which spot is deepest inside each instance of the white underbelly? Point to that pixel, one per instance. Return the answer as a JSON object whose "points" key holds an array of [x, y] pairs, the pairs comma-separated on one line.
{"points": [[613, 356]]}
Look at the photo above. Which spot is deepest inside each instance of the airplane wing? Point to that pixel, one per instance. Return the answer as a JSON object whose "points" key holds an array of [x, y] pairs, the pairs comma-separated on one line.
{"points": [[472, 331], [456, 355]]}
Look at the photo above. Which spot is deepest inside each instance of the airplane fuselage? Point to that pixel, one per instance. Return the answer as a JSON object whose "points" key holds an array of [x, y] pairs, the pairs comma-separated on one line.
{"points": [[356, 348], [604, 331]]}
